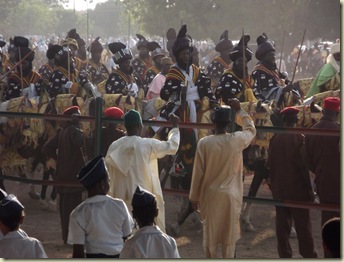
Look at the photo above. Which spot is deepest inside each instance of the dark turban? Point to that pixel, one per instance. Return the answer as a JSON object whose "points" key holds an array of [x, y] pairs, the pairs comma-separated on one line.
{"points": [[120, 52], [22, 49], [142, 41], [96, 46], [182, 42], [225, 43], [237, 51], [264, 46]]}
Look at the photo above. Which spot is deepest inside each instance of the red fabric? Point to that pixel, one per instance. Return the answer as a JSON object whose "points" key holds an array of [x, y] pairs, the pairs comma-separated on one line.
{"points": [[332, 104], [113, 112]]}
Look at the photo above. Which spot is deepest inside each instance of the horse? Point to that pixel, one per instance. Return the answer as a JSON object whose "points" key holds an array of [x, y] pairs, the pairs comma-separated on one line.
{"points": [[19, 137]]}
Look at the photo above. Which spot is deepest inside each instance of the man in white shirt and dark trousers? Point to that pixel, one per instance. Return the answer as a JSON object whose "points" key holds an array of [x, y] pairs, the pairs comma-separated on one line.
{"points": [[100, 224]]}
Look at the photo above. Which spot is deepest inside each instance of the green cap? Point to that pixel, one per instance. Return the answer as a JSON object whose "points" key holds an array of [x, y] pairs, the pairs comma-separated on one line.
{"points": [[132, 118]]}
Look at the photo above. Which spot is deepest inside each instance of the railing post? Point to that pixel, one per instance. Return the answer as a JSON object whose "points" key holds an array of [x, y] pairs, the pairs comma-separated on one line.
{"points": [[232, 124], [98, 128]]}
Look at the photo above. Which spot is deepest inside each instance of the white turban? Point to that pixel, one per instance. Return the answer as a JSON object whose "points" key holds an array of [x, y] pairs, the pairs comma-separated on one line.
{"points": [[335, 48]]}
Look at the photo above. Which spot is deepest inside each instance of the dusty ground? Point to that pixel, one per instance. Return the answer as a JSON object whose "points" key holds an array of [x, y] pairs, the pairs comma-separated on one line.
{"points": [[45, 226]]}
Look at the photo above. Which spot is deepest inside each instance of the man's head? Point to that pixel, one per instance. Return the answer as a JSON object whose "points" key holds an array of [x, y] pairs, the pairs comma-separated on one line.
{"points": [[331, 107], [114, 113], [157, 53], [289, 116], [335, 51], [221, 117], [121, 56], [133, 122], [23, 51], [265, 51], [61, 55], [145, 207], [96, 50], [11, 213], [331, 236], [237, 53], [94, 176], [182, 48], [166, 63], [141, 45], [225, 45]]}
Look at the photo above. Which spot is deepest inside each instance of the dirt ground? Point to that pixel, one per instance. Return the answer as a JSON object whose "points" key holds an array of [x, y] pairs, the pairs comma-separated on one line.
{"points": [[45, 226]]}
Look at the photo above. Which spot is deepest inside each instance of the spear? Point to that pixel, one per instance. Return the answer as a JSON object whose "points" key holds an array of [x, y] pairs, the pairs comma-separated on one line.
{"points": [[19, 62], [280, 62], [298, 57], [244, 57]]}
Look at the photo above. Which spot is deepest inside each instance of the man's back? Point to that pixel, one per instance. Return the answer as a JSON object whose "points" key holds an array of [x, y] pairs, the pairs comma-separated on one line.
{"points": [[150, 242]]}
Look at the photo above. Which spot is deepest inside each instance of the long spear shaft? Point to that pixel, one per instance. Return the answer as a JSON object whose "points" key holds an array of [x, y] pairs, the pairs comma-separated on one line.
{"points": [[298, 56], [280, 62], [244, 58], [19, 62]]}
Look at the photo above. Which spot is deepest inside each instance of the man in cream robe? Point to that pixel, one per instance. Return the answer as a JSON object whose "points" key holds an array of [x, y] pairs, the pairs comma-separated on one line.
{"points": [[217, 184], [132, 161]]}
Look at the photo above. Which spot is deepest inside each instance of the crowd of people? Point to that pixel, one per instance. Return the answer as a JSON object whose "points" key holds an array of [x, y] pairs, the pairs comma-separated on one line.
{"points": [[124, 213]]}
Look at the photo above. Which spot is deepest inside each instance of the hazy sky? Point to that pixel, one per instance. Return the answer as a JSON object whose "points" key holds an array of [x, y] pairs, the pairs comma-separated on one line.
{"points": [[82, 4]]}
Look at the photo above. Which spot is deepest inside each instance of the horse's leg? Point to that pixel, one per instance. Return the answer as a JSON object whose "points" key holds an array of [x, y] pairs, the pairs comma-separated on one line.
{"points": [[2, 186], [260, 173]]}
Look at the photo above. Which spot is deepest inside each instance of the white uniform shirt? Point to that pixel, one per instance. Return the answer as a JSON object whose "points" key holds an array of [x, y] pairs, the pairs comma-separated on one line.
{"points": [[150, 242], [100, 223], [17, 244], [132, 161]]}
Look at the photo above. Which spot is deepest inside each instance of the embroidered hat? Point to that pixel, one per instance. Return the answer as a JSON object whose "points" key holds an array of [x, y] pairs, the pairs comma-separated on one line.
{"points": [[132, 117], [94, 171], [120, 52], [142, 197], [166, 61], [331, 104], [10, 211], [113, 112], [222, 114], [71, 43]]}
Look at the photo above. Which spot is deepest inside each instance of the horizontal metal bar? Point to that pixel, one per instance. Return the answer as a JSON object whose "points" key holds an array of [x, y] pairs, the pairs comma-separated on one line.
{"points": [[262, 201], [272, 129]]}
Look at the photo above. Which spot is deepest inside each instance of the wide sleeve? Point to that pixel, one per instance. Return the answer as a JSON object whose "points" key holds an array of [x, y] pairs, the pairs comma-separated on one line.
{"points": [[248, 129], [169, 147], [197, 173], [76, 231]]}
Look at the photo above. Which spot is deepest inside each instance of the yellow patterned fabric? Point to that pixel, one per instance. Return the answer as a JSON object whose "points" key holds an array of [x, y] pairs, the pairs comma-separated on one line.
{"points": [[305, 84], [262, 139], [125, 103]]}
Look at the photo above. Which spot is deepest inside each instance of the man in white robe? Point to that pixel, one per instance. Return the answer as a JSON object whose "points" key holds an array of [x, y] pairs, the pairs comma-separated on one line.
{"points": [[217, 184], [132, 161]]}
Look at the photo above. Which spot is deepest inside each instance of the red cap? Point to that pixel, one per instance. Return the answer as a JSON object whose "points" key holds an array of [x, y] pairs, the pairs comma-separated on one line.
{"points": [[113, 112], [332, 104], [290, 111], [71, 110]]}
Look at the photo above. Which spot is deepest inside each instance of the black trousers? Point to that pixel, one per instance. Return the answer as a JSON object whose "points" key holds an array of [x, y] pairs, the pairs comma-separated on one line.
{"points": [[101, 256]]}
